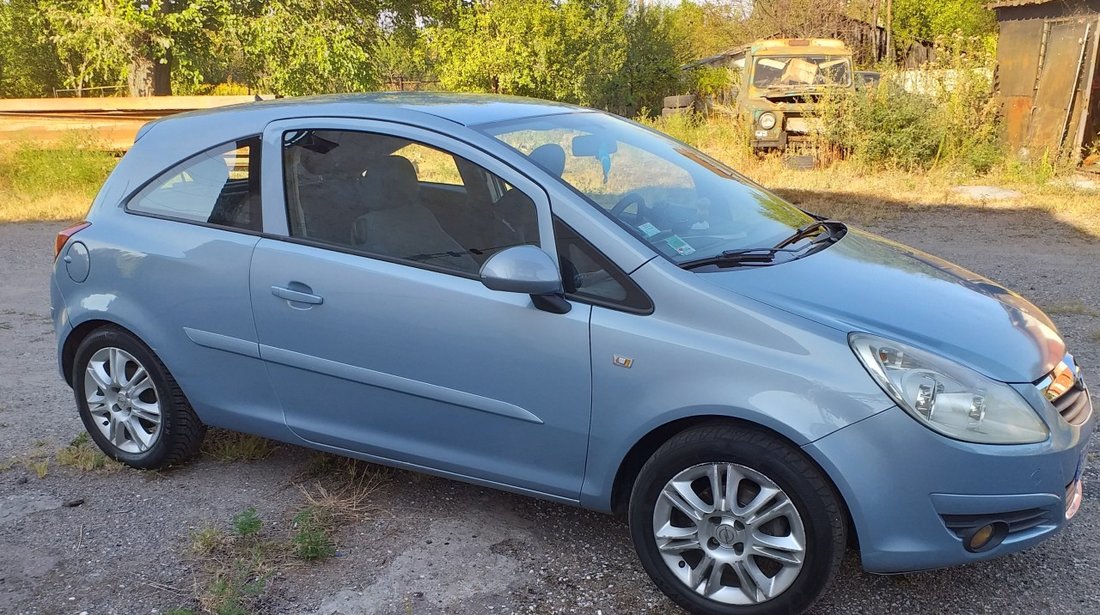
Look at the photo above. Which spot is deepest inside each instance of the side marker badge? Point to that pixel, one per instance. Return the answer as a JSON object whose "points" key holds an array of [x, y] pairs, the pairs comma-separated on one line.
{"points": [[622, 361]]}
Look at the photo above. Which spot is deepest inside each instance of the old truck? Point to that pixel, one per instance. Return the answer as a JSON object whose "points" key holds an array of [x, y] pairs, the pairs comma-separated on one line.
{"points": [[778, 82]]}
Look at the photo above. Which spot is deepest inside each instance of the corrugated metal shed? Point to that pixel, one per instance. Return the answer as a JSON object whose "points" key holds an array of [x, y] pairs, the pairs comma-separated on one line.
{"points": [[1047, 81]]}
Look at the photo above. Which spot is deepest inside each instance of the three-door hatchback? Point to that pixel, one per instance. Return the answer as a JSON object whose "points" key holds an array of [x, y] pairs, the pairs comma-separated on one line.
{"points": [[562, 303]]}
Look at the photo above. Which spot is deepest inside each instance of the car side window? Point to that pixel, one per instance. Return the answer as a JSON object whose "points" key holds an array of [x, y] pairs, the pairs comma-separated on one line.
{"points": [[220, 186], [591, 277], [402, 200]]}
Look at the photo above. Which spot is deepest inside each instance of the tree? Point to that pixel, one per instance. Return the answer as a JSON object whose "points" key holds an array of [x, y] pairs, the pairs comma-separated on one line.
{"points": [[650, 69], [702, 29], [295, 47], [93, 40], [28, 64], [932, 19], [593, 52]]}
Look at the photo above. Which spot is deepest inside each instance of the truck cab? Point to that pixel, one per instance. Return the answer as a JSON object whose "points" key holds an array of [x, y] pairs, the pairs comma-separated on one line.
{"points": [[781, 83]]}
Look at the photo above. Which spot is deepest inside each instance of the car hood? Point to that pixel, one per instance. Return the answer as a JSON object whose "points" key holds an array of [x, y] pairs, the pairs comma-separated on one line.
{"points": [[868, 283]]}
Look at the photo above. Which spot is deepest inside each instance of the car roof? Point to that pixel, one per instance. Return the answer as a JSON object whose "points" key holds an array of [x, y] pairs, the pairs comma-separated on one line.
{"points": [[464, 109], [162, 143]]}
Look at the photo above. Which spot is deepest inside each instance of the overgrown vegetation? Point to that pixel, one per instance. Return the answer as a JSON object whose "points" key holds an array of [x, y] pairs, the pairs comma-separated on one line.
{"points": [[238, 562], [225, 445], [85, 456], [943, 114], [52, 183]]}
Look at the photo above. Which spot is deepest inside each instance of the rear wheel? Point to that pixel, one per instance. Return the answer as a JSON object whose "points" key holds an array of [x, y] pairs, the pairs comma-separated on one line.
{"points": [[130, 404], [732, 521]]}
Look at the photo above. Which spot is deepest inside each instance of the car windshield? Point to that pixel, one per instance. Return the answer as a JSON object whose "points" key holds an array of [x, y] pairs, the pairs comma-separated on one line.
{"points": [[678, 200], [785, 71]]}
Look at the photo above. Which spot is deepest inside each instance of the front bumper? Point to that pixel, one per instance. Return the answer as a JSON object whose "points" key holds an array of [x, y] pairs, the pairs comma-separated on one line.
{"points": [[904, 484]]}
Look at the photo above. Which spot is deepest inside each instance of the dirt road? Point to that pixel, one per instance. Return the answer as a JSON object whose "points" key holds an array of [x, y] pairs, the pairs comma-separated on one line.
{"points": [[436, 546]]}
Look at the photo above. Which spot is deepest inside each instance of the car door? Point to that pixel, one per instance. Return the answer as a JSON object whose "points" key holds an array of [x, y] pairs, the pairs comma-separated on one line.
{"points": [[380, 338]]}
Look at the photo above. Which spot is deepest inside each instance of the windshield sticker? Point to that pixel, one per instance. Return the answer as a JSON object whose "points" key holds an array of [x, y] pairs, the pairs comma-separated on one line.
{"points": [[682, 247], [648, 229]]}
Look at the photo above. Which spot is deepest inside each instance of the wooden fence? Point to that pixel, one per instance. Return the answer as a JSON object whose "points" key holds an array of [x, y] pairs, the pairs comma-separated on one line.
{"points": [[110, 122]]}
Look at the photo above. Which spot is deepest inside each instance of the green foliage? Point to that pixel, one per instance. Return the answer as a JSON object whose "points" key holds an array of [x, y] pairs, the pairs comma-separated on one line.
{"points": [[236, 590], [247, 522], [707, 28], [932, 19], [649, 70], [28, 64], [296, 47], [941, 114], [597, 53], [712, 81], [311, 540]]}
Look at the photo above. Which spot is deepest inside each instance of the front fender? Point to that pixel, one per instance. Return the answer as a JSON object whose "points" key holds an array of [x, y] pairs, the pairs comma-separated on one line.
{"points": [[714, 354]]}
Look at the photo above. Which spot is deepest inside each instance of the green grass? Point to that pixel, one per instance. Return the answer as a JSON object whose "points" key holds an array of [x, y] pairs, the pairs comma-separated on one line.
{"points": [[311, 538], [234, 446], [235, 565], [56, 182], [82, 455], [247, 522]]}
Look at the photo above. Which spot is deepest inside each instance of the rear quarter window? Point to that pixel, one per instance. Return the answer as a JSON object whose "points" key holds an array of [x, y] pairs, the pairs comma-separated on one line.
{"points": [[219, 187]]}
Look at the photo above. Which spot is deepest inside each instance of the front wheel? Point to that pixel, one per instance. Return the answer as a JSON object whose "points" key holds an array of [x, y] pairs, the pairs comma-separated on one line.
{"points": [[130, 404], [732, 521]]}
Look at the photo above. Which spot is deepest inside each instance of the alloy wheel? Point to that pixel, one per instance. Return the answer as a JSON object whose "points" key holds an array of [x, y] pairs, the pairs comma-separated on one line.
{"points": [[122, 400], [729, 533]]}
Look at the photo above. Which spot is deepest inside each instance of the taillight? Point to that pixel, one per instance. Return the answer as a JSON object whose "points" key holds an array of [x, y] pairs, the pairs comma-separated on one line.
{"points": [[63, 237]]}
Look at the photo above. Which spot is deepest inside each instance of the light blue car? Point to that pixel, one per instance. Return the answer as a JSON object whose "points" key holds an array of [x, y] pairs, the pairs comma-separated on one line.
{"points": [[559, 302]]}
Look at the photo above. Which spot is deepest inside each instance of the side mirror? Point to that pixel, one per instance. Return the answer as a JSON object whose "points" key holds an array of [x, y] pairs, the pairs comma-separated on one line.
{"points": [[529, 270]]}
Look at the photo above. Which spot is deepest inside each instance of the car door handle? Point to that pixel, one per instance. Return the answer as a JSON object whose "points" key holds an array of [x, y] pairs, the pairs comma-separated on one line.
{"points": [[296, 295]]}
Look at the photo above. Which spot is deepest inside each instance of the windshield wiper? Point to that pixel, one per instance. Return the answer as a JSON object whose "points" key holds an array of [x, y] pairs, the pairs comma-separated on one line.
{"points": [[765, 256], [832, 229]]}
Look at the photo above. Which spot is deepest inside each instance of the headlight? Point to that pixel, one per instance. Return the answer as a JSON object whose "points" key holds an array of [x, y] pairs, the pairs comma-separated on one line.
{"points": [[767, 121], [954, 400]]}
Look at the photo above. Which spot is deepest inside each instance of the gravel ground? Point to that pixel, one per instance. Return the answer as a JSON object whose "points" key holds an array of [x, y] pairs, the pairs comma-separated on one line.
{"points": [[437, 546]]}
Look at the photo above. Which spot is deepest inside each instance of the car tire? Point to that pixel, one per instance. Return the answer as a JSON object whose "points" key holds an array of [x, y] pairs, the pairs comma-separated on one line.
{"points": [[130, 404], [780, 500]]}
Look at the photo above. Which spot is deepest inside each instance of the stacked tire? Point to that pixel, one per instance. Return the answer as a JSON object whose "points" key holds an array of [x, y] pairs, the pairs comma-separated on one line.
{"points": [[674, 105]]}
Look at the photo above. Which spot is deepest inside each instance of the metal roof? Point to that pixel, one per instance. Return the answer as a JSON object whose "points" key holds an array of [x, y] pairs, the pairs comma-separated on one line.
{"points": [[1011, 3]]}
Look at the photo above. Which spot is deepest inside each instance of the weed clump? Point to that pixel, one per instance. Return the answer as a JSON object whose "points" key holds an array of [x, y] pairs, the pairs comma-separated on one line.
{"points": [[247, 522], [311, 540], [235, 446], [84, 456]]}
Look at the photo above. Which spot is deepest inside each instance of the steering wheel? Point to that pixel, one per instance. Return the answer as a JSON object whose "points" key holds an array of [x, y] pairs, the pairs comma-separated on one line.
{"points": [[628, 199]]}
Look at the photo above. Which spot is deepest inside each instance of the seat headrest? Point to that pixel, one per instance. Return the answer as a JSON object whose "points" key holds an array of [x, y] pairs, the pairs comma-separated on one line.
{"points": [[550, 157], [391, 182]]}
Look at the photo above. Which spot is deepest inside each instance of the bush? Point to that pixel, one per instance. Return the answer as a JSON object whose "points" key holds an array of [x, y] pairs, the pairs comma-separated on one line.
{"points": [[942, 114]]}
